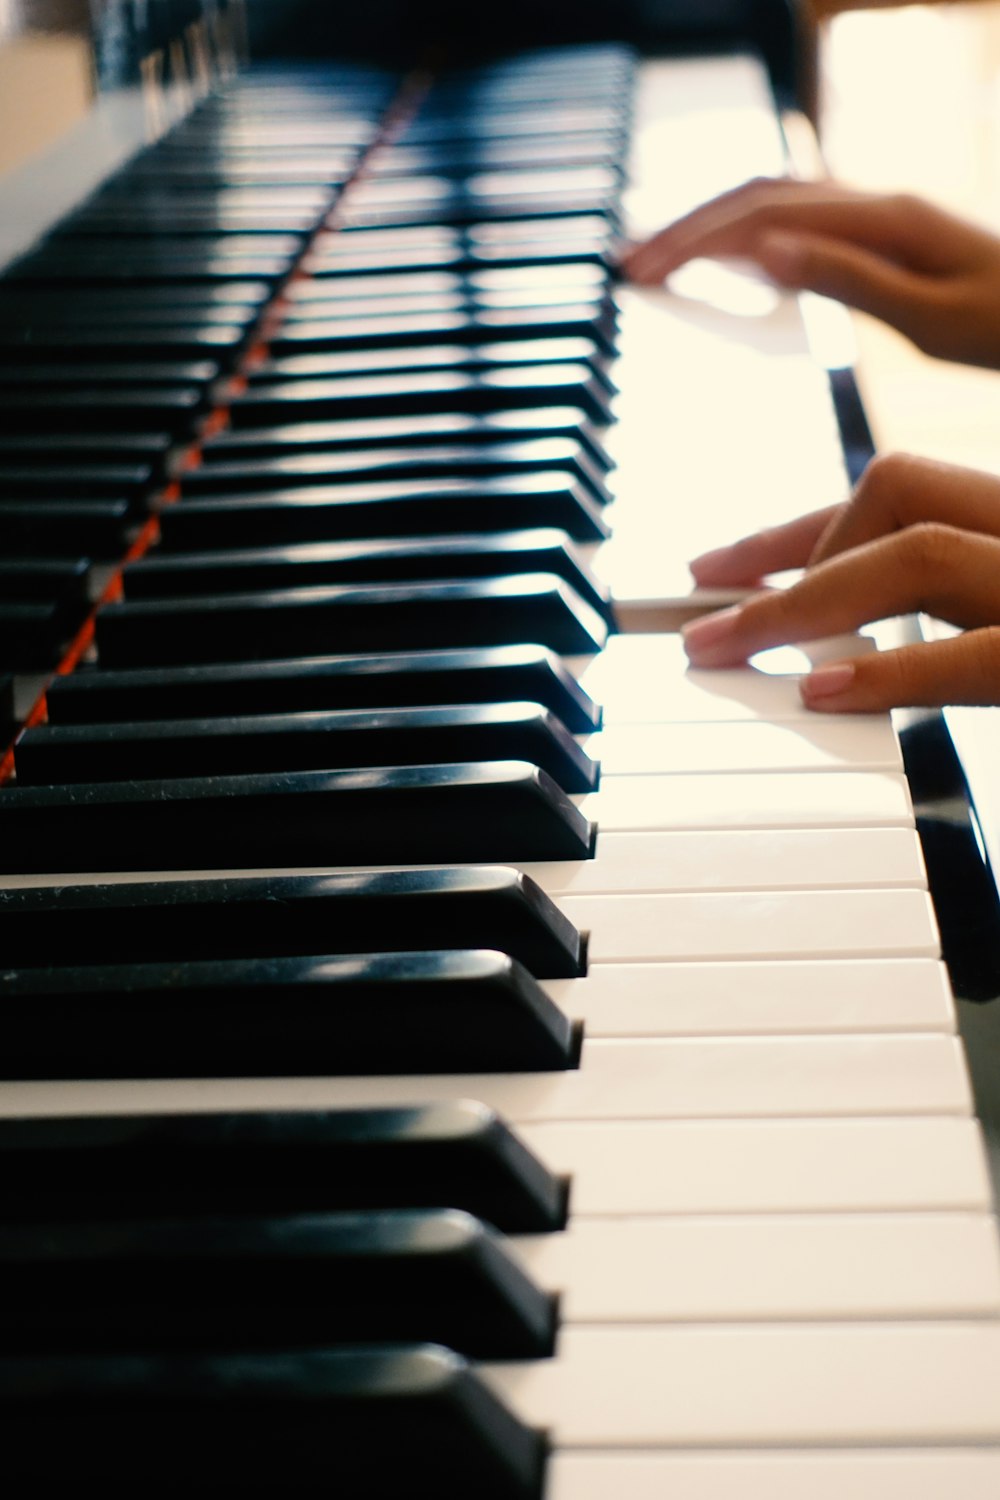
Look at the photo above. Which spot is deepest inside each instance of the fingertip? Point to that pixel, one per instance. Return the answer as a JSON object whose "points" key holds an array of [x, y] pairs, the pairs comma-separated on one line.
{"points": [[828, 688]]}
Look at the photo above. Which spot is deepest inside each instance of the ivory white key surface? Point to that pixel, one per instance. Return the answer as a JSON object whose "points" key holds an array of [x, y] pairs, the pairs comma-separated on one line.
{"points": [[775, 859], [619, 1078], [756, 924], [844, 1266], [734, 999], [645, 679], [819, 744], [821, 1474], [767, 1166], [766, 1384], [849, 799]]}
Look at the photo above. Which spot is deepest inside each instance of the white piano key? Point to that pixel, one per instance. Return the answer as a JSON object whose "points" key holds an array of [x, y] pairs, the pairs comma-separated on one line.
{"points": [[819, 744], [769, 1385], [806, 1268], [756, 924], [619, 1079], [734, 999], [737, 860], [820, 1474], [847, 799], [767, 1166], [645, 679]]}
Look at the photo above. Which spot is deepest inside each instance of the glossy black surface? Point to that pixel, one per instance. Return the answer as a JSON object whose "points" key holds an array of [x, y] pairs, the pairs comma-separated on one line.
{"points": [[286, 915], [487, 675], [407, 507], [318, 740], [367, 1014], [452, 1155], [174, 574], [375, 1416]]}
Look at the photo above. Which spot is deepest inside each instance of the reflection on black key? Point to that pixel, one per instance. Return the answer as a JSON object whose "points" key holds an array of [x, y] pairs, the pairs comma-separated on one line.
{"points": [[498, 810], [389, 617], [487, 675], [381, 1416], [454, 1155], [372, 465], [593, 320], [69, 482], [50, 753], [437, 429], [214, 341], [447, 390], [285, 915], [317, 1281], [175, 408], [164, 575], [359, 1015], [409, 507]]}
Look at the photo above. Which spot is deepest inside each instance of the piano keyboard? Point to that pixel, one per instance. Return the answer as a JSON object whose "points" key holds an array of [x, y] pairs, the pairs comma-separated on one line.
{"points": [[551, 1090]]}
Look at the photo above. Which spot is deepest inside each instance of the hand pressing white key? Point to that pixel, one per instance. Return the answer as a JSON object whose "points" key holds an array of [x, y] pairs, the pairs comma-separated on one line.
{"points": [[931, 275], [916, 536]]}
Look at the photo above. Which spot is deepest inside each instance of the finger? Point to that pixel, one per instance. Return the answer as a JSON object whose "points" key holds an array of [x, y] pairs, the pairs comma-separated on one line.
{"points": [[744, 563], [930, 675], [735, 224], [952, 574], [898, 490], [856, 275]]}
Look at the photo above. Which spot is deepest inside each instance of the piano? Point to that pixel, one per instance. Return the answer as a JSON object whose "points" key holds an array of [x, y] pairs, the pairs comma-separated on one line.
{"points": [[448, 1044]]}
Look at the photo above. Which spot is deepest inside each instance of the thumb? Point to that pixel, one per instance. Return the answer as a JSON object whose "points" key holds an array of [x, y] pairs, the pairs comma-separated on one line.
{"points": [[931, 674]]}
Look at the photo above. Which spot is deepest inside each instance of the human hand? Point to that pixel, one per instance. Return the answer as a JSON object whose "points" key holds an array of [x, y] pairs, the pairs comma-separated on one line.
{"points": [[926, 272], [916, 535]]}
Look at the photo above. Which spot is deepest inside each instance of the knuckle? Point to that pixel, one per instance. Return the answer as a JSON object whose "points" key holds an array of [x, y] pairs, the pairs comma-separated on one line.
{"points": [[932, 548]]}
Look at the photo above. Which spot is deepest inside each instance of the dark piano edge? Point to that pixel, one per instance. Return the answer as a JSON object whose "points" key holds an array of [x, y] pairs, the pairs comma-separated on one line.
{"points": [[957, 807]]}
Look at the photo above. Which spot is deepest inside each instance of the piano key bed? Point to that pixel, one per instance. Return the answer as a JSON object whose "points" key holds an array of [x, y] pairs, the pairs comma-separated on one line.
{"points": [[446, 1044]]}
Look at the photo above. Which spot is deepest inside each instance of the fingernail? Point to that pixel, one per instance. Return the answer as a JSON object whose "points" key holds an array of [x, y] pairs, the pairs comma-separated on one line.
{"points": [[828, 681], [781, 254], [709, 630]]}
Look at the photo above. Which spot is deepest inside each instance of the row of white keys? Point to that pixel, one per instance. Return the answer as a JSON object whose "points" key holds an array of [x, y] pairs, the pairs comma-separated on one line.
{"points": [[912, 1473]]}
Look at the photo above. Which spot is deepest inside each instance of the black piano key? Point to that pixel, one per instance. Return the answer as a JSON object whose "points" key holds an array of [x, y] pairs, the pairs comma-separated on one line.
{"points": [[144, 222], [453, 1155], [91, 407], [87, 317], [130, 375], [491, 675], [497, 810], [316, 1281], [359, 1015], [580, 279], [412, 358], [31, 634], [213, 341], [67, 268], [22, 304], [355, 260], [590, 320], [363, 617], [290, 915], [64, 528], [86, 449], [344, 512], [386, 1419], [171, 574], [419, 393], [49, 754], [64, 580], [435, 430], [461, 208], [374, 465], [68, 482], [6, 702]]}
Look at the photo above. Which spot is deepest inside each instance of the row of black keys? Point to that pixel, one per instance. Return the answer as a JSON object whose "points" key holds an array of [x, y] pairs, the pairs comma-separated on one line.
{"points": [[398, 1276], [62, 467]]}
